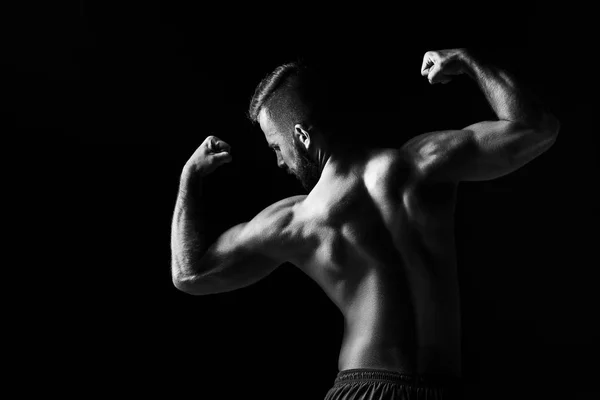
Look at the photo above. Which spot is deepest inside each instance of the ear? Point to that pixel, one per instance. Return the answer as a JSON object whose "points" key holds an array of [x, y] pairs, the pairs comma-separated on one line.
{"points": [[302, 135]]}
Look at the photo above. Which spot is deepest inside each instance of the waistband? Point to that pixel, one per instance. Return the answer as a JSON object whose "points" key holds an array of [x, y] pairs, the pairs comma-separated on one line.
{"points": [[423, 380]]}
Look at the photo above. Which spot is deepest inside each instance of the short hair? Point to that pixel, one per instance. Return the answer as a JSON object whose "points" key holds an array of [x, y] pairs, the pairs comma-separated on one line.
{"points": [[293, 92]]}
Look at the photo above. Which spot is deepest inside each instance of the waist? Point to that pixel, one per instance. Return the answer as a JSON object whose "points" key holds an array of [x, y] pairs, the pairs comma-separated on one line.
{"points": [[356, 375], [369, 352], [402, 356]]}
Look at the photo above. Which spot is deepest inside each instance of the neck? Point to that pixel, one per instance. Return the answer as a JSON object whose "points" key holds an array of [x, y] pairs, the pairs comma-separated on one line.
{"points": [[340, 159]]}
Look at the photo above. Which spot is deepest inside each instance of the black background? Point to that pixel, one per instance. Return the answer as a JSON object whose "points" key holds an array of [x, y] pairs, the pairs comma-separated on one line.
{"points": [[104, 103]]}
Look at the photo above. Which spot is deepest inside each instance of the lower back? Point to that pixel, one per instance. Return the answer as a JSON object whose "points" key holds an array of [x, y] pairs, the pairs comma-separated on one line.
{"points": [[383, 330]]}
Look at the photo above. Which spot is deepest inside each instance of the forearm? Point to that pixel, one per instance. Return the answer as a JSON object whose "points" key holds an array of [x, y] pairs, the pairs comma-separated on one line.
{"points": [[509, 100], [188, 239]]}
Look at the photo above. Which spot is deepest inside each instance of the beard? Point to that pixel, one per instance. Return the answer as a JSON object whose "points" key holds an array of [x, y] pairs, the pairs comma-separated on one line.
{"points": [[307, 171]]}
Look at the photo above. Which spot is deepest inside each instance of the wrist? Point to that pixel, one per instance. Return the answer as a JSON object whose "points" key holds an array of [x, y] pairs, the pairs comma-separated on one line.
{"points": [[468, 62], [191, 179], [192, 171], [476, 65]]}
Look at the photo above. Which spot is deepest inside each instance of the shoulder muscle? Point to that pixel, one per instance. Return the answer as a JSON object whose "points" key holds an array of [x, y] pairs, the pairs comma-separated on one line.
{"points": [[271, 229]]}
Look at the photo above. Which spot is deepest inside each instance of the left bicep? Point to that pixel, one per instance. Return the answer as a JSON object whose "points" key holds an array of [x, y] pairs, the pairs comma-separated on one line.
{"points": [[248, 252], [234, 261]]}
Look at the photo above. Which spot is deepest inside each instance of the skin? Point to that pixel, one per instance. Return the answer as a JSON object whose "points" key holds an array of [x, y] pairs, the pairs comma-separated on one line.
{"points": [[295, 158], [376, 231]]}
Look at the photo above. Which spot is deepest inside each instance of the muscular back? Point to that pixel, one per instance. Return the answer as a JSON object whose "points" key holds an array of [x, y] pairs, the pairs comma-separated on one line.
{"points": [[380, 244], [376, 235]]}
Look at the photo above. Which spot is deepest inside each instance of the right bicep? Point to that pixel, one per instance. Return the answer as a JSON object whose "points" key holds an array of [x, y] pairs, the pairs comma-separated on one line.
{"points": [[482, 151]]}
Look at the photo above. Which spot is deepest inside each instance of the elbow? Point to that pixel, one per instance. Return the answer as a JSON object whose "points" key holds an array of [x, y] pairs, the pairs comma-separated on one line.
{"points": [[544, 134], [188, 286], [178, 281], [550, 126], [185, 283], [179, 284]]}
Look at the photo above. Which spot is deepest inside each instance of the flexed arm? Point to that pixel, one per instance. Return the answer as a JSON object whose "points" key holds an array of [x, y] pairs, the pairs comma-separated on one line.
{"points": [[488, 149], [240, 256], [508, 100], [188, 242]]}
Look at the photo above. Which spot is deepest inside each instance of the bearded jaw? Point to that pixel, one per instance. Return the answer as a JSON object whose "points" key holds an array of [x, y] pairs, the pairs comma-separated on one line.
{"points": [[306, 170]]}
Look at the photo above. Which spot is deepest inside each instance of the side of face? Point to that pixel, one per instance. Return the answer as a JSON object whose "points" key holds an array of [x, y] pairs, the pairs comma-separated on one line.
{"points": [[291, 149], [277, 141]]}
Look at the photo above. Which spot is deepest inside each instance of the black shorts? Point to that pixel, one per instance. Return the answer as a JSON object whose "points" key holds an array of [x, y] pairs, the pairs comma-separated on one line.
{"points": [[377, 384]]}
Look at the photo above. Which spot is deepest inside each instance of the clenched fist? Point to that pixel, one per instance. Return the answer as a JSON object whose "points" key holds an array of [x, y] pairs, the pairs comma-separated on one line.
{"points": [[442, 65], [211, 154]]}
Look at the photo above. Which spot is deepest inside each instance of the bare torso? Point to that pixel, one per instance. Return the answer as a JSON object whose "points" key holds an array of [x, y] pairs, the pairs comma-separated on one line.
{"points": [[381, 246]]}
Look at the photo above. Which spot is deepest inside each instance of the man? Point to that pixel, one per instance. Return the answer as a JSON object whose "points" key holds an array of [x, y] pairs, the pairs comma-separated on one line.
{"points": [[376, 229]]}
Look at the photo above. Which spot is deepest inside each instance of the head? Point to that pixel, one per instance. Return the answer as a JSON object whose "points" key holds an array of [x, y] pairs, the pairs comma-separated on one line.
{"points": [[290, 105]]}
